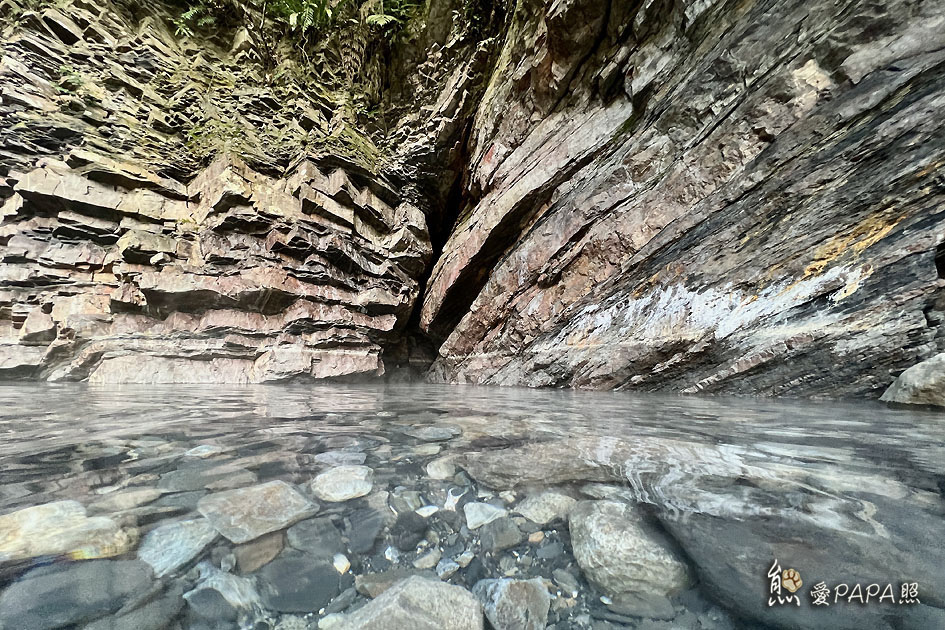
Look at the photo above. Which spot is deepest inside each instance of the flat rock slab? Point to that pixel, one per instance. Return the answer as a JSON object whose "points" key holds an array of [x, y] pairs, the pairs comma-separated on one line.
{"points": [[419, 604], [343, 483], [59, 595], [247, 513], [171, 546], [60, 528]]}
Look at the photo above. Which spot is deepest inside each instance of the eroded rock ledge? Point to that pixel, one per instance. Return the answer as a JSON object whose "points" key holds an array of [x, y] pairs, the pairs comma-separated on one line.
{"points": [[236, 277]]}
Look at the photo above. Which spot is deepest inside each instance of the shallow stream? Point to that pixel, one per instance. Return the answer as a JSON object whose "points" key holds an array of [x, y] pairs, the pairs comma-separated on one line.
{"points": [[298, 507]]}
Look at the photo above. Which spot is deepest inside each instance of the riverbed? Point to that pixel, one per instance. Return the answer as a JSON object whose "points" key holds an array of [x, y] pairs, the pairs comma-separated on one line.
{"points": [[298, 507]]}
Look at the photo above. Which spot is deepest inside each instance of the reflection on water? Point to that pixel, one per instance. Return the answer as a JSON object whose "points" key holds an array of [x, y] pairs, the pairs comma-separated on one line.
{"points": [[691, 500]]}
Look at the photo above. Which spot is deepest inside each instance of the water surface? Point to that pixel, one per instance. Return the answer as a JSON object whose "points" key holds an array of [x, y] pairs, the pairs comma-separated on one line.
{"points": [[845, 493]]}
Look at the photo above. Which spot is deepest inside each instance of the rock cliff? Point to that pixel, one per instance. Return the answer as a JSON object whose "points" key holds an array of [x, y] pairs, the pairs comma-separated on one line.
{"points": [[701, 196], [681, 195]]}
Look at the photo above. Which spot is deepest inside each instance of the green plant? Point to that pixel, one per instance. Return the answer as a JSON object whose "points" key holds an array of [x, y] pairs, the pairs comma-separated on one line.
{"points": [[384, 15], [304, 15], [203, 14]]}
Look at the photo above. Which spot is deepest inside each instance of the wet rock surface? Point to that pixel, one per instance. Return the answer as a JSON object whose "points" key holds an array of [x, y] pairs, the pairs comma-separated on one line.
{"points": [[583, 520]]}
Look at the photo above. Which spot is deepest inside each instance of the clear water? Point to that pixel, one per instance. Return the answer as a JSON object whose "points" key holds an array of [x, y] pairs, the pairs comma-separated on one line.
{"points": [[844, 493]]}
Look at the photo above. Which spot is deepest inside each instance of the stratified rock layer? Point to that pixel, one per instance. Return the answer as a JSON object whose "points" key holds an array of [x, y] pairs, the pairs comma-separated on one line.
{"points": [[678, 195], [701, 197], [124, 259]]}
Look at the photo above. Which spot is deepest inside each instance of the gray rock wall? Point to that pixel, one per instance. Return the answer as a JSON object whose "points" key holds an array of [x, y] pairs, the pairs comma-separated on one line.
{"points": [[705, 196]]}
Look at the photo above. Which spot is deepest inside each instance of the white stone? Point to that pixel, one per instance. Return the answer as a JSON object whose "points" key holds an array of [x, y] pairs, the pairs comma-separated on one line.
{"points": [[442, 468], [427, 511], [341, 563], [478, 514]]}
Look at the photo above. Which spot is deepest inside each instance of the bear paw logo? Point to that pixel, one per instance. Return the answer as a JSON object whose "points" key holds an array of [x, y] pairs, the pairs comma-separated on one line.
{"points": [[791, 580]]}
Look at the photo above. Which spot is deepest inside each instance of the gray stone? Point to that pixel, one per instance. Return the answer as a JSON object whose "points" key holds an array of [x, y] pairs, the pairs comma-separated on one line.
{"points": [[55, 596], [298, 584], [446, 568], [156, 614], [342, 483], [545, 507], [171, 546], [514, 604], [418, 604], [316, 536], [500, 534], [625, 556], [209, 603], [921, 384], [247, 513]]}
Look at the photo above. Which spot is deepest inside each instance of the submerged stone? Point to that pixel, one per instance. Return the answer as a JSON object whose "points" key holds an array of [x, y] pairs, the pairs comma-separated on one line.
{"points": [[624, 555], [61, 528], [156, 614], [545, 507], [343, 483], [247, 513], [259, 552], [172, 546], [478, 514], [60, 595], [419, 604], [316, 536], [298, 584], [500, 534], [514, 604]]}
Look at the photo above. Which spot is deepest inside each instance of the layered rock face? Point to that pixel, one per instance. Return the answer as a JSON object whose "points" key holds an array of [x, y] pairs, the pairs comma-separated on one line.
{"points": [[124, 260], [701, 196], [680, 195]]}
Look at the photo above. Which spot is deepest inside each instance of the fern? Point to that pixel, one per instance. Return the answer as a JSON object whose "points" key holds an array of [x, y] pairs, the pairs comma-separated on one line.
{"points": [[381, 20]]}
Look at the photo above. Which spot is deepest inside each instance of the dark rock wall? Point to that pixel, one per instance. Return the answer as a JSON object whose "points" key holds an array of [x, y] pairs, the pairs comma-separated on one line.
{"points": [[740, 197]]}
